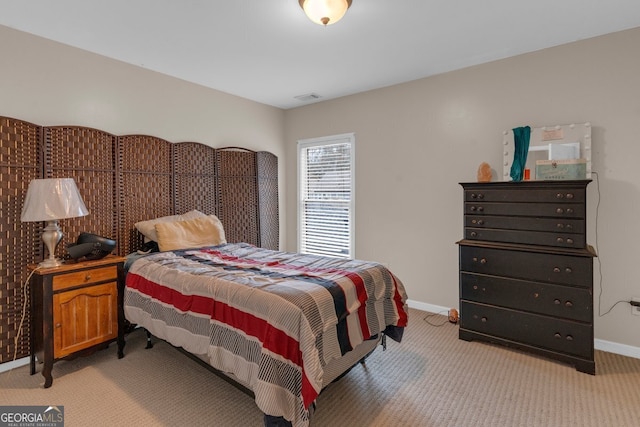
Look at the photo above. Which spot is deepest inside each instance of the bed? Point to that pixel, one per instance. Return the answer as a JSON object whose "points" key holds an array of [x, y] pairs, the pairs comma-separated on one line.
{"points": [[283, 325]]}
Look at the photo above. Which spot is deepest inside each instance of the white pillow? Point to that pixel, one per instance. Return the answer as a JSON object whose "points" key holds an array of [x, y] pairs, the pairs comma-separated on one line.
{"points": [[148, 230], [194, 233]]}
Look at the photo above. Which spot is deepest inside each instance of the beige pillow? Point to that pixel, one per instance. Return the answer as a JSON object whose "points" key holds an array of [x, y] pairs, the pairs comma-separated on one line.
{"points": [[194, 233], [148, 228]]}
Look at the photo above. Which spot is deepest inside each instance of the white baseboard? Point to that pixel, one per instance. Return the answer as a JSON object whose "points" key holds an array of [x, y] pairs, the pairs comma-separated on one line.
{"points": [[7, 366], [608, 346], [617, 348]]}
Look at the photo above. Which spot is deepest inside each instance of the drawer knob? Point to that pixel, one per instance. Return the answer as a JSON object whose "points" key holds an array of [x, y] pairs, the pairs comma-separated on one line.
{"points": [[559, 196], [58, 325], [570, 241], [568, 304], [480, 196], [557, 301], [568, 270], [483, 261], [560, 226], [483, 320], [556, 269], [559, 210], [474, 234], [569, 196], [475, 287], [557, 335], [472, 208], [569, 338], [559, 240], [87, 277], [480, 209], [569, 210], [480, 222]]}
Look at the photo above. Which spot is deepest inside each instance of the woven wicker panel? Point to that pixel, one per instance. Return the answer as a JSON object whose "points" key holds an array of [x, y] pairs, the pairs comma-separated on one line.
{"points": [[88, 156], [194, 177], [238, 195], [20, 244], [269, 225], [145, 190]]}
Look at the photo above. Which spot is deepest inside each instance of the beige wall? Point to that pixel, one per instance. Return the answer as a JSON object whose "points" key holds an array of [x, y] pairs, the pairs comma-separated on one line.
{"points": [[416, 141], [48, 83]]}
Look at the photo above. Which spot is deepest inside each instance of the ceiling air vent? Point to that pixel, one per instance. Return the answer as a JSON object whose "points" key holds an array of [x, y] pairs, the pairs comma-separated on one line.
{"points": [[308, 97]]}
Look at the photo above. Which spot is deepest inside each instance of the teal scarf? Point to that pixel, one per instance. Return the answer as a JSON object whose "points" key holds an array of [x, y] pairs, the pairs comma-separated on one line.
{"points": [[521, 138]]}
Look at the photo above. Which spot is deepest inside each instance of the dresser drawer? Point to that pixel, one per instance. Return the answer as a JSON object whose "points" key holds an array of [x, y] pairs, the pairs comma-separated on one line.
{"points": [[560, 210], [534, 266], [511, 192], [84, 277], [541, 298], [561, 240], [551, 225], [542, 331]]}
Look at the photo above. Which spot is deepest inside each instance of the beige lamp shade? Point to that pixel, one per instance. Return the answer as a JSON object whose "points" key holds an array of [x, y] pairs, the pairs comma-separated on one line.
{"points": [[52, 199]]}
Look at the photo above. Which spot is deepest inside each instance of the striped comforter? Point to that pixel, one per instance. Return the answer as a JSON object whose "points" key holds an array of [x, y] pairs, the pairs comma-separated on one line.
{"points": [[273, 319]]}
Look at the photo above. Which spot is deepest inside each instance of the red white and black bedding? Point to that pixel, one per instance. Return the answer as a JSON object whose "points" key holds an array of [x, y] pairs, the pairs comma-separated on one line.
{"points": [[272, 319]]}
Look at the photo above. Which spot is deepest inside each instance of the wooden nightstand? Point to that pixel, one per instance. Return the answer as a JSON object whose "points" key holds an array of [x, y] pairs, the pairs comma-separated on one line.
{"points": [[74, 310]]}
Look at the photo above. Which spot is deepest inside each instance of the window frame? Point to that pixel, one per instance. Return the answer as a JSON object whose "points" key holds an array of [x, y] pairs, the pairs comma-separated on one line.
{"points": [[303, 144]]}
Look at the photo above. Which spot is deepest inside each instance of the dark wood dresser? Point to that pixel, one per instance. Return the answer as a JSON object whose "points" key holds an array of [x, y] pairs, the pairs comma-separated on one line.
{"points": [[526, 271]]}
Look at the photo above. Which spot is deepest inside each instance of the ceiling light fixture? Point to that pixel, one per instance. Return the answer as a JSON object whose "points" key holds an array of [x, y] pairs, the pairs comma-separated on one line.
{"points": [[325, 12]]}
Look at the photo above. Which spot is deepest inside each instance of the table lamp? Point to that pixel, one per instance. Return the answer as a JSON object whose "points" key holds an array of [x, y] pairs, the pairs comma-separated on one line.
{"points": [[50, 200]]}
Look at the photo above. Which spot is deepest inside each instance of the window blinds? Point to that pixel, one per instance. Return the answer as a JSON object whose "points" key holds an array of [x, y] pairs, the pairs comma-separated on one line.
{"points": [[326, 195]]}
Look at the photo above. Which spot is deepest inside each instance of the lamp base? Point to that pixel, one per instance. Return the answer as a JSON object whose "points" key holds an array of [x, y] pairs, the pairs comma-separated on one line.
{"points": [[51, 236], [51, 263]]}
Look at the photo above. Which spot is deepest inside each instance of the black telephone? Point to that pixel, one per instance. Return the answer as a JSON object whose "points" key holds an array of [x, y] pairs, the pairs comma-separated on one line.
{"points": [[91, 246]]}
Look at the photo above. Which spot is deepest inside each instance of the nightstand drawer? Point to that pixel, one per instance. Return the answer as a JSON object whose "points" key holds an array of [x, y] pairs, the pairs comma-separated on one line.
{"points": [[79, 278]]}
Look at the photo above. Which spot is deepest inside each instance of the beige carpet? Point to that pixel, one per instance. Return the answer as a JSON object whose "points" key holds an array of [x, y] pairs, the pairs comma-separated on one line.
{"points": [[431, 379]]}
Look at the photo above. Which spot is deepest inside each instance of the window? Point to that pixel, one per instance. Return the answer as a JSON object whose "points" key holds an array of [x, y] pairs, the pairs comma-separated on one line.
{"points": [[325, 196]]}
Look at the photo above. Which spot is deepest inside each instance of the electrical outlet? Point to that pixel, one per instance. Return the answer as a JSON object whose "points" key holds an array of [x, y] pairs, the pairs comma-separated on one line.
{"points": [[635, 309]]}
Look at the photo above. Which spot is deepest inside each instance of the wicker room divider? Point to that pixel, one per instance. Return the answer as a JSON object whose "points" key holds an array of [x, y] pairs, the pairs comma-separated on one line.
{"points": [[122, 179]]}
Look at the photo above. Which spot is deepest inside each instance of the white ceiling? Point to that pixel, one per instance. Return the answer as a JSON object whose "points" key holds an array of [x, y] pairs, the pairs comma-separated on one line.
{"points": [[268, 51]]}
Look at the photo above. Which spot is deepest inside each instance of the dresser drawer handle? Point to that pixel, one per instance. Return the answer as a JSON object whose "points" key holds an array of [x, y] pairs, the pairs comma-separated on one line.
{"points": [[483, 320], [474, 234], [569, 210], [568, 304], [58, 325], [560, 226], [557, 301], [569, 195], [483, 261], [557, 335], [570, 241], [556, 269], [559, 196], [87, 277], [569, 338], [568, 270], [559, 240], [559, 210]]}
